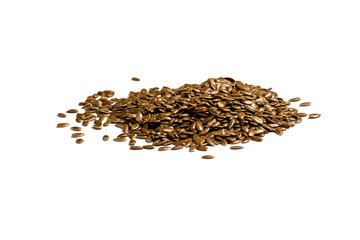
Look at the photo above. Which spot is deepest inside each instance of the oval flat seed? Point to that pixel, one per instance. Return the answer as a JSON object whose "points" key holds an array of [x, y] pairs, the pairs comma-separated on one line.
{"points": [[236, 147], [314, 115], [207, 157], [149, 147], [105, 138], [85, 123], [120, 139], [296, 99], [135, 79], [305, 104], [302, 114], [61, 125], [256, 138], [76, 128], [136, 147], [163, 148], [132, 142], [96, 127], [77, 135], [202, 148], [192, 148], [279, 131], [62, 115], [79, 140], [72, 111], [177, 147]]}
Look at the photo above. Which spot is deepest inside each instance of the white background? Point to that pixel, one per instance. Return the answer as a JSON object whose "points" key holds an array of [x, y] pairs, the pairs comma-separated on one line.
{"points": [[303, 185]]}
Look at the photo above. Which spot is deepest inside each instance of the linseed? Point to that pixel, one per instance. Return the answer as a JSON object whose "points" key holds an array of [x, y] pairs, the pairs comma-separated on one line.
{"points": [[76, 128], [305, 104], [62, 125], [236, 147], [79, 140], [314, 115], [208, 157], [72, 111], [135, 79], [105, 137], [296, 99], [62, 115], [136, 147], [77, 135]]}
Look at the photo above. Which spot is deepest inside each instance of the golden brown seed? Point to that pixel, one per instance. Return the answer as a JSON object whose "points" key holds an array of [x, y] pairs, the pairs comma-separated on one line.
{"points": [[241, 115], [72, 111], [163, 148], [121, 139], [257, 119], [256, 138], [305, 104], [132, 142], [177, 147], [135, 79], [314, 115], [207, 157], [192, 148], [76, 128], [77, 135], [136, 147], [79, 140], [279, 131], [221, 104], [236, 147], [296, 99], [105, 138], [202, 148], [302, 114], [61, 125], [62, 115], [85, 123], [97, 127], [149, 147]]}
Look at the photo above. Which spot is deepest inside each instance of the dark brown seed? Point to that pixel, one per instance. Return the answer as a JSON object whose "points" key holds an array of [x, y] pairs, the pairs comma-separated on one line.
{"points": [[163, 148], [72, 111], [76, 128], [77, 135], [62, 115], [207, 157], [256, 138], [85, 123], [79, 140], [279, 131], [305, 104], [135, 79], [136, 147], [177, 147], [202, 148], [61, 125], [314, 115], [149, 147], [296, 99], [105, 138], [236, 147], [120, 139], [132, 142]]}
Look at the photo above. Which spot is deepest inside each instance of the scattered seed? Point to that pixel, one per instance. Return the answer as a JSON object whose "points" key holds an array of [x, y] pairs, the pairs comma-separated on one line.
{"points": [[62, 115], [105, 137], [79, 140], [296, 99], [236, 147], [135, 79], [120, 139], [177, 147], [163, 148], [305, 104], [77, 135], [149, 147], [72, 111], [202, 148], [136, 147], [132, 142], [76, 128], [61, 125], [302, 114], [314, 115], [208, 157]]}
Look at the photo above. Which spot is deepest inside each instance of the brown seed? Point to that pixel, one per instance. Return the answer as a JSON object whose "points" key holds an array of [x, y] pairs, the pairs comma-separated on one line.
{"points": [[97, 127], [256, 138], [314, 115], [257, 119], [192, 148], [149, 147], [279, 131], [202, 148], [236, 147], [296, 99], [61, 125], [72, 111], [136, 147], [305, 104], [62, 115], [85, 123], [120, 139], [132, 142], [76, 128], [177, 147], [77, 135], [163, 148], [135, 79], [302, 114], [105, 137], [208, 157], [79, 140]]}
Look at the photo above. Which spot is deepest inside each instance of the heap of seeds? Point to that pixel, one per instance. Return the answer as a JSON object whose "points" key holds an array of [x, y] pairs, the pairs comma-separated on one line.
{"points": [[217, 111]]}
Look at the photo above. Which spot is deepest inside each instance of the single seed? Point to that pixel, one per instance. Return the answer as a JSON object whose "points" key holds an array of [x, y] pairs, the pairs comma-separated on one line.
{"points": [[132, 142], [236, 147], [105, 137], [305, 104], [202, 148], [296, 99], [177, 147], [163, 148], [279, 131], [79, 140], [135, 79], [121, 139], [61, 125], [136, 147], [314, 115], [149, 147], [207, 157], [62, 115], [76, 128], [97, 127], [85, 123], [72, 111], [192, 148], [302, 114], [77, 135]]}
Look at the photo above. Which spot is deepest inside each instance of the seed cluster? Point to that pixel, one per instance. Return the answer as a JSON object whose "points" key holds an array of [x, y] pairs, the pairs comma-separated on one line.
{"points": [[217, 111]]}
